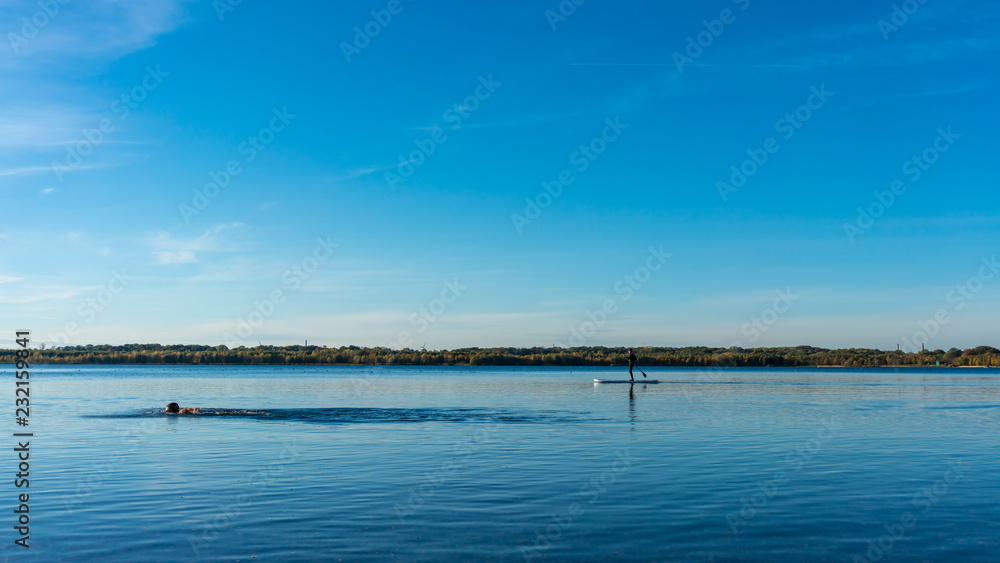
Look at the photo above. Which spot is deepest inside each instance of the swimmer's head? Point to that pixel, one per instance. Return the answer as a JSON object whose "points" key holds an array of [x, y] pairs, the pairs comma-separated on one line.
{"points": [[173, 408]]}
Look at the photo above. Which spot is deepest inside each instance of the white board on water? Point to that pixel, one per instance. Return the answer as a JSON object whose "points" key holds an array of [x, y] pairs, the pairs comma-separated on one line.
{"points": [[626, 381]]}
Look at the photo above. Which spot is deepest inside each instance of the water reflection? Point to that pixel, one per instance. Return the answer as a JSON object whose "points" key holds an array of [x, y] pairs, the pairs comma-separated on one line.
{"points": [[631, 412]]}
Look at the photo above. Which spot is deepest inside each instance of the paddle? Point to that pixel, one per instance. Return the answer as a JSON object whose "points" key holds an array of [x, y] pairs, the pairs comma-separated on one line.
{"points": [[640, 370]]}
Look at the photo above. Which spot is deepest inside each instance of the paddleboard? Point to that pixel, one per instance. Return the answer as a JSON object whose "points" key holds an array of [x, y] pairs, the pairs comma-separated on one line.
{"points": [[626, 381]]}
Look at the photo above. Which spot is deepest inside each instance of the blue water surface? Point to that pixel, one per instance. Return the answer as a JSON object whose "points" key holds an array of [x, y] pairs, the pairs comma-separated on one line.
{"points": [[509, 464]]}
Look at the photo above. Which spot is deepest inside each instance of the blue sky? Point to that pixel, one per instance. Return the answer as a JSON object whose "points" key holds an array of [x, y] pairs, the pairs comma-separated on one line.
{"points": [[413, 155]]}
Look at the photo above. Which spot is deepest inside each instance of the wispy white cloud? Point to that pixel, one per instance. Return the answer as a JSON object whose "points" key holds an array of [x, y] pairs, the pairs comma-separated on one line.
{"points": [[860, 43], [34, 294], [165, 257], [518, 121], [507, 122], [25, 170], [170, 250], [238, 269], [41, 124], [45, 105], [366, 170], [853, 44], [49, 126], [98, 29]]}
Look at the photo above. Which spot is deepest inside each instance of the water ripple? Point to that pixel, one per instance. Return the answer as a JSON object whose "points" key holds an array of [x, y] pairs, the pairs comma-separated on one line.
{"points": [[345, 415]]}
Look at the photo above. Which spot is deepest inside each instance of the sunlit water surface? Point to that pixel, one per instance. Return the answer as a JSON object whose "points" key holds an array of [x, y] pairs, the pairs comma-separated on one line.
{"points": [[510, 464]]}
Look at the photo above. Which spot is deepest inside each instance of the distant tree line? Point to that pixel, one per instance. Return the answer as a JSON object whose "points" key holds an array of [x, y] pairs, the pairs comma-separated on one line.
{"points": [[696, 356]]}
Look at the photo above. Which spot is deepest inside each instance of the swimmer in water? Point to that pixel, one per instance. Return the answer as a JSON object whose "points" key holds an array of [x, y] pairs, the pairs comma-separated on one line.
{"points": [[174, 408]]}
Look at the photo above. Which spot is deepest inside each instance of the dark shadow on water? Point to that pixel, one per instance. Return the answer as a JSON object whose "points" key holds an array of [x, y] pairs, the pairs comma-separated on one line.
{"points": [[360, 415], [962, 407]]}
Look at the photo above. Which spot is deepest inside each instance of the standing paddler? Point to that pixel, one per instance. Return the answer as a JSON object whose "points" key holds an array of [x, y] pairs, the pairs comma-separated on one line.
{"points": [[631, 364]]}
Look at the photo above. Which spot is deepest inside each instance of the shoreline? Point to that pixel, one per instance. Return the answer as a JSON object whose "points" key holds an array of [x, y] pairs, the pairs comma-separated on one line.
{"points": [[692, 357], [484, 366]]}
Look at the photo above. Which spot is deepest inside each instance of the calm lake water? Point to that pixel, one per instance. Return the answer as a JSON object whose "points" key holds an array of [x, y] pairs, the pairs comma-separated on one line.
{"points": [[510, 464]]}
